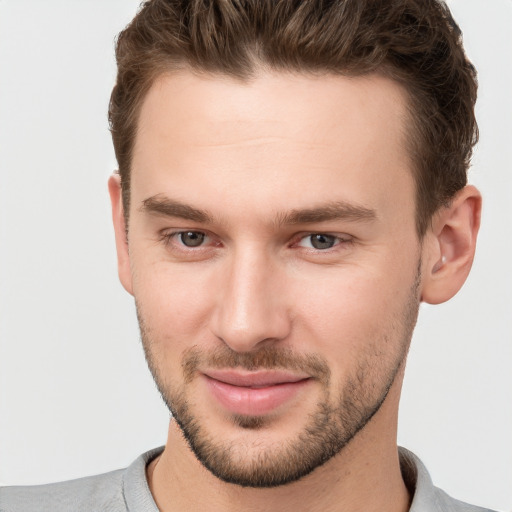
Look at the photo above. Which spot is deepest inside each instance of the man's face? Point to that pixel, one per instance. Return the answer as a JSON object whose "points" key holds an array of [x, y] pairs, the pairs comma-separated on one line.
{"points": [[274, 262]]}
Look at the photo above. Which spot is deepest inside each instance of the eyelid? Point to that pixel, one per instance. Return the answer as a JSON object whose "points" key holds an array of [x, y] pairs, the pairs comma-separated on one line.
{"points": [[169, 235], [341, 238]]}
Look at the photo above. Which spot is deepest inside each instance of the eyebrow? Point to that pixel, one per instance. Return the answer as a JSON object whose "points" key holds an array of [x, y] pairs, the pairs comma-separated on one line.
{"points": [[161, 205], [338, 210]]}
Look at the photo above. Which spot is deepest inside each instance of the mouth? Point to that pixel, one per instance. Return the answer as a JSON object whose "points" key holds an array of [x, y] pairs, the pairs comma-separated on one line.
{"points": [[254, 393]]}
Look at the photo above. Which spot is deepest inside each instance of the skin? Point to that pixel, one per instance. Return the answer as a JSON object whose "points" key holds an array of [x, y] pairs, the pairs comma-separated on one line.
{"points": [[251, 155]]}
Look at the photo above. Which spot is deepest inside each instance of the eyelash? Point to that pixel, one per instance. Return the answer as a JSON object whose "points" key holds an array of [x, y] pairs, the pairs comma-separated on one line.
{"points": [[168, 238], [340, 240]]}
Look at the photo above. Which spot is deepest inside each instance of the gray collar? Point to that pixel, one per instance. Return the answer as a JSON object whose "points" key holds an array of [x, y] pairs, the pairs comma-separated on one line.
{"points": [[426, 497]]}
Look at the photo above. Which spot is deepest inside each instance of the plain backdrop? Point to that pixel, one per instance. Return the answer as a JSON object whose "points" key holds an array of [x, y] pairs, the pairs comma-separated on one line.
{"points": [[75, 395]]}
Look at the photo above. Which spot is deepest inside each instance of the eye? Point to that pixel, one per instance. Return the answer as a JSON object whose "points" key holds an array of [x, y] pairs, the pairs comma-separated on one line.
{"points": [[319, 241], [191, 238], [189, 244]]}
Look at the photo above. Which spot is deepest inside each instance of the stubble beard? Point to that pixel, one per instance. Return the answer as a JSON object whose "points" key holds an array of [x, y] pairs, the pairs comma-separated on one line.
{"points": [[329, 428]]}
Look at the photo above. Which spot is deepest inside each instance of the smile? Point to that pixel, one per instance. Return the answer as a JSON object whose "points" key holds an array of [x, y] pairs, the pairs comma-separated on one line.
{"points": [[253, 393]]}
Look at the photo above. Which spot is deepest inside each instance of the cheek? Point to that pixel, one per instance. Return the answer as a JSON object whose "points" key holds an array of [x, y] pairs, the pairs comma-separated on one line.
{"points": [[173, 301], [356, 311]]}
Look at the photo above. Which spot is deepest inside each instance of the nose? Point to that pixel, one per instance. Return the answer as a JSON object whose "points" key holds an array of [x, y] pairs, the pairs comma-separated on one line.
{"points": [[251, 309]]}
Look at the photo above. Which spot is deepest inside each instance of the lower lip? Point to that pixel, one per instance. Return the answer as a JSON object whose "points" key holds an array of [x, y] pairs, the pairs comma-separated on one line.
{"points": [[254, 401]]}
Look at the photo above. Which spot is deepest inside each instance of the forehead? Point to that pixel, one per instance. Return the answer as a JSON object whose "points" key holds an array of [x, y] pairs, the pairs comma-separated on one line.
{"points": [[279, 138], [270, 104]]}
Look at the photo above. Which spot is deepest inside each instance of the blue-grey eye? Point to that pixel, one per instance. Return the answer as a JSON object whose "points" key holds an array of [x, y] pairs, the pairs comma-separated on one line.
{"points": [[192, 238], [320, 241]]}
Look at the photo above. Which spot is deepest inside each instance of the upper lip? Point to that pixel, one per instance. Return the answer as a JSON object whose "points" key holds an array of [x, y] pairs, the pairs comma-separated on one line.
{"points": [[260, 378]]}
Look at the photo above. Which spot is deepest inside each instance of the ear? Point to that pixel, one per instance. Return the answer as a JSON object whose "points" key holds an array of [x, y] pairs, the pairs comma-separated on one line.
{"points": [[449, 246], [123, 255]]}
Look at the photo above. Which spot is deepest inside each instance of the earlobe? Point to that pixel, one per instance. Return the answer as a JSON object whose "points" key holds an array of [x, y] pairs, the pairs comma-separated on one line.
{"points": [[118, 218], [450, 248]]}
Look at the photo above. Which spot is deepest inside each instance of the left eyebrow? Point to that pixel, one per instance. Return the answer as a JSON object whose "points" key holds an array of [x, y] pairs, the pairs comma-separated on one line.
{"points": [[339, 210]]}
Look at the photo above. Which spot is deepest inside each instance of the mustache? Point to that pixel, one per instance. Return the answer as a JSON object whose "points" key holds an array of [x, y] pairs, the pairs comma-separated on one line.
{"points": [[267, 358]]}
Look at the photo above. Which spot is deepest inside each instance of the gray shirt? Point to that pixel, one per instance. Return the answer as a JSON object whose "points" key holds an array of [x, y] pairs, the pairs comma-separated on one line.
{"points": [[127, 490]]}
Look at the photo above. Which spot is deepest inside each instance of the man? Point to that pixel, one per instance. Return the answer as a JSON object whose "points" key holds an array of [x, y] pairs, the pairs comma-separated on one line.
{"points": [[292, 183]]}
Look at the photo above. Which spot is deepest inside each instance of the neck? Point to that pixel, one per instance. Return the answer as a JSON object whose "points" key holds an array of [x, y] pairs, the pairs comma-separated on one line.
{"points": [[365, 475]]}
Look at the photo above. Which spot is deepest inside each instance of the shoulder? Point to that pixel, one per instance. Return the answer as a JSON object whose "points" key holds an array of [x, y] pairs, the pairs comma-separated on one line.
{"points": [[99, 492], [117, 491], [446, 503], [425, 496]]}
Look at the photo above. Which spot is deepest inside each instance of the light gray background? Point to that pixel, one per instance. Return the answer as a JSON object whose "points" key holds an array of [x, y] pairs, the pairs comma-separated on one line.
{"points": [[75, 395]]}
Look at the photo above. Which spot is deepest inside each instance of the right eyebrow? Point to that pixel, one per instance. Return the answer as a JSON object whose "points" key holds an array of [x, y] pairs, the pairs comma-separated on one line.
{"points": [[162, 205]]}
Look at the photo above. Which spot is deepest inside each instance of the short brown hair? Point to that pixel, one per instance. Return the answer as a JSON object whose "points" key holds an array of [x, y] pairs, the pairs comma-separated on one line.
{"points": [[415, 42]]}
